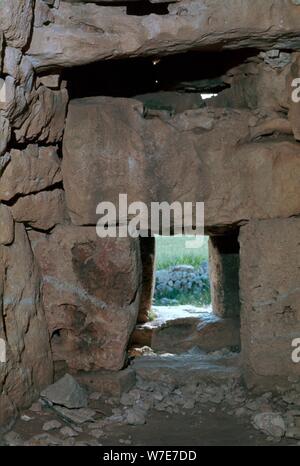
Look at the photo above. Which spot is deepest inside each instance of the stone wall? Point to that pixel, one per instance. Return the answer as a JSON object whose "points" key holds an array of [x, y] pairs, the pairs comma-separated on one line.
{"points": [[270, 314], [91, 291], [242, 163], [69, 297], [86, 33], [185, 280], [239, 153], [32, 114]]}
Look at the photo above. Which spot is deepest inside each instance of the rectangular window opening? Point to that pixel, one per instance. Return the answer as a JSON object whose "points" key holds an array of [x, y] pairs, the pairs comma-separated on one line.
{"points": [[190, 296]]}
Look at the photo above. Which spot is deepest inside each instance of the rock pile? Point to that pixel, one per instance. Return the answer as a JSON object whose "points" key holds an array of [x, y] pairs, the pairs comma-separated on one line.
{"points": [[276, 417], [180, 279]]}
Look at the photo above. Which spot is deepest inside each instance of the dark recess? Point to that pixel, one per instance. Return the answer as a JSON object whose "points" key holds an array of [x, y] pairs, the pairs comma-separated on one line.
{"points": [[144, 8], [131, 77]]}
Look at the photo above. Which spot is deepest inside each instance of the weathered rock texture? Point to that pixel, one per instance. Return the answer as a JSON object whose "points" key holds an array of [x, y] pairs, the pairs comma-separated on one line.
{"points": [[91, 291], [23, 327], [31, 126], [30, 171], [239, 153], [85, 33], [206, 155], [178, 335], [269, 278]]}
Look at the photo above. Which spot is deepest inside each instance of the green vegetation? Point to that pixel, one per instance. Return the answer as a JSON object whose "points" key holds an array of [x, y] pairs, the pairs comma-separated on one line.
{"points": [[171, 251], [151, 315], [179, 298]]}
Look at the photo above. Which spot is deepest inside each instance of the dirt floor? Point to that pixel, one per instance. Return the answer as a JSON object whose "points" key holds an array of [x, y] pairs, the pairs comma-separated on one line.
{"points": [[190, 399], [194, 428]]}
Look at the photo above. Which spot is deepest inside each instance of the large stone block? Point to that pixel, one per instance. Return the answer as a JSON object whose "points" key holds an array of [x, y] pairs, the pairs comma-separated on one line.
{"points": [[206, 155], [91, 290], [208, 333], [30, 171], [270, 297], [28, 367], [258, 84], [109, 149], [41, 211], [15, 21], [5, 134], [44, 119], [108, 383], [85, 33]]}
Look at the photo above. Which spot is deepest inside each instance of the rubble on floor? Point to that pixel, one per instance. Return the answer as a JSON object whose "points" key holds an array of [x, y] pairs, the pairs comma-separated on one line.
{"points": [[171, 384], [66, 392]]}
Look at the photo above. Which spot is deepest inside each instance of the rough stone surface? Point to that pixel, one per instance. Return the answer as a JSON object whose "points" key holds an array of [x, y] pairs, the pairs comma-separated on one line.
{"points": [[66, 392], [29, 114], [30, 171], [187, 330], [201, 401], [238, 152], [68, 432], [51, 425], [270, 423], [181, 278], [13, 439], [269, 284], [42, 211], [46, 116], [29, 362], [135, 416], [7, 230], [15, 21], [108, 383], [5, 132], [188, 368], [90, 325], [77, 416], [258, 85], [236, 179], [87, 33]]}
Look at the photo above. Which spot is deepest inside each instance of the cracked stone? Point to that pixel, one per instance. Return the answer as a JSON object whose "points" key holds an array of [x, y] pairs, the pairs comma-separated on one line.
{"points": [[66, 392]]}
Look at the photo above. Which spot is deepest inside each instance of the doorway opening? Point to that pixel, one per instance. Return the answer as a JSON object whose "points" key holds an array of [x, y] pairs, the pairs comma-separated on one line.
{"points": [[190, 296]]}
